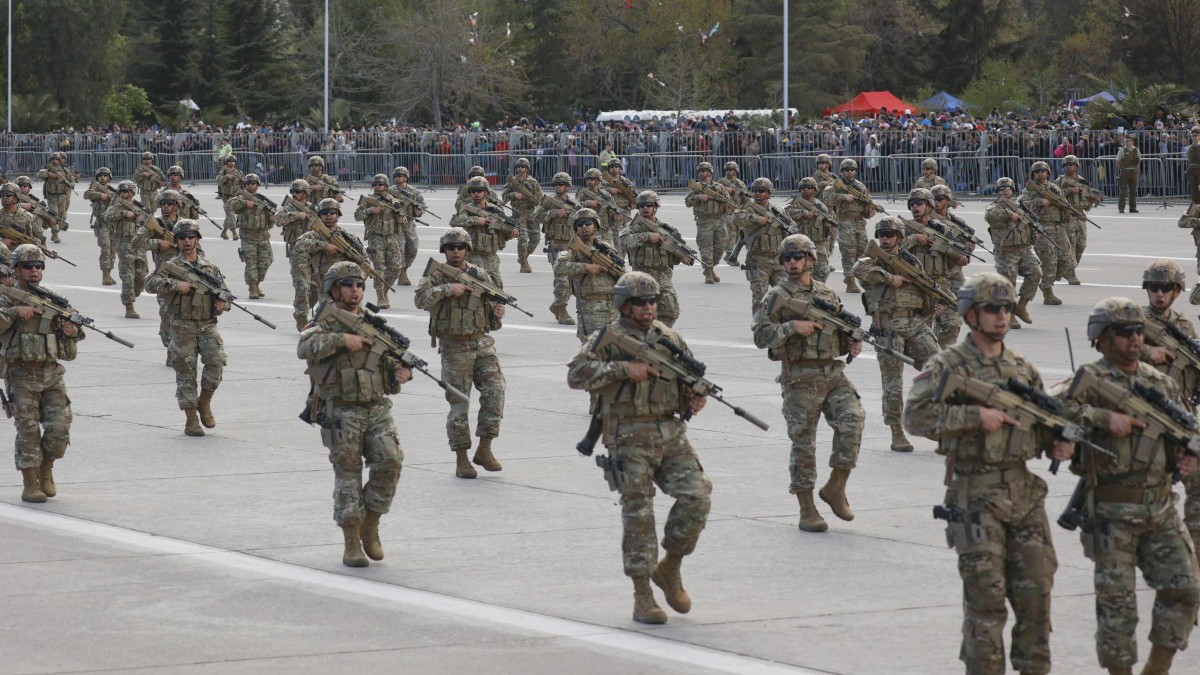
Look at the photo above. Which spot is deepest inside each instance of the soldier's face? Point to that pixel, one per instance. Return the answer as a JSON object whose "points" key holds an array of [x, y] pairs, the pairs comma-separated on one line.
{"points": [[188, 242], [1005, 192], [169, 208], [401, 180], [316, 169], [348, 293], [478, 195], [928, 170], [1041, 175], [103, 179], [252, 188], [30, 272], [147, 161], [592, 183], [1071, 169], [299, 195], [522, 171], [455, 254], [647, 210], [641, 312], [991, 320], [731, 173], [1123, 350], [888, 240], [614, 170], [175, 178], [919, 208], [761, 195], [705, 174], [849, 174], [560, 189], [329, 218], [797, 265], [379, 188], [808, 192], [586, 230], [25, 189], [1162, 295]]}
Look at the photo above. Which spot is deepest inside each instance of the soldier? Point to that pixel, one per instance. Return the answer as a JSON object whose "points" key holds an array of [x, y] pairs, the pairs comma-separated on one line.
{"points": [[1193, 165], [161, 250], [188, 205], [229, 183], [591, 283], [16, 217], [149, 179], [59, 183], [487, 238], [464, 193], [100, 195], [1129, 161], [939, 265], [293, 220], [554, 221], [820, 232], [1164, 282], [739, 195], [33, 345], [1191, 220], [323, 185], [900, 317], [1058, 260], [608, 221], [523, 206], [1129, 505], [44, 220], [813, 380], [852, 216], [647, 443], [254, 224], [1081, 198], [356, 422], [384, 235], [312, 255], [824, 172], [710, 222], [1011, 553], [929, 177], [408, 223], [131, 263], [462, 322], [192, 313], [1013, 240], [642, 240], [943, 199], [762, 236], [613, 177]]}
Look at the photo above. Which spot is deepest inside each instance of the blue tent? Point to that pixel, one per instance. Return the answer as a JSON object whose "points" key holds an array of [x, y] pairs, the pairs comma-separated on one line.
{"points": [[943, 101]]}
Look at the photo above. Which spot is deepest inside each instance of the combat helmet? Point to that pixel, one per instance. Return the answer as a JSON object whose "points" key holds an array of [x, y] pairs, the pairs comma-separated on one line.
{"points": [[704, 166], [521, 161], [316, 160], [187, 225], [762, 183], [454, 235], [889, 224], [1039, 166], [27, 253], [920, 194], [808, 182], [474, 171], [796, 243], [1113, 311], [299, 185], [24, 181], [230, 158], [400, 171], [126, 186], [1070, 159], [1005, 182], [251, 178], [592, 173], [583, 215], [561, 178], [169, 197], [986, 288], [175, 170], [929, 163], [147, 155], [477, 182], [848, 164], [1163, 271], [9, 189], [327, 205], [940, 192], [613, 161], [343, 269], [379, 179], [824, 159], [104, 171], [731, 165], [647, 197], [634, 285]]}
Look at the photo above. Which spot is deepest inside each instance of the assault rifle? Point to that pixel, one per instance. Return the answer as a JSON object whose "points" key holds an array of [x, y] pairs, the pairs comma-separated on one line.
{"points": [[619, 186], [735, 188], [670, 240], [475, 284], [810, 207], [63, 173], [824, 312], [301, 207], [533, 200], [384, 340], [964, 231], [351, 248], [54, 304], [195, 204], [39, 208], [112, 194], [944, 240], [495, 220], [600, 254], [324, 184], [409, 201], [1057, 200], [1088, 192], [213, 285], [154, 173], [18, 237], [606, 202], [712, 192], [1185, 347], [859, 196], [1029, 218], [262, 200], [372, 200], [906, 265]]}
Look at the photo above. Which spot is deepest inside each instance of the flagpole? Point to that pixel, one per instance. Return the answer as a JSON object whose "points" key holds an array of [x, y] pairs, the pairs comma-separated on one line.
{"points": [[326, 116], [785, 65]]}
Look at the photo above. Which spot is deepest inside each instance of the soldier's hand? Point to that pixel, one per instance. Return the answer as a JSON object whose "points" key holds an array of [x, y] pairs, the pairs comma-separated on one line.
{"points": [[592, 204], [128, 215], [498, 311], [67, 328], [847, 198], [1122, 425], [560, 213], [963, 261], [638, 371], [183, 287], [518, 195], [355, 342], [375, 210], [514, 234], [105, 197], [654, 238], [806, 328], [1161, 355], [25, 312], [991, 420], [1186, 465], [163, 244], [338, 198], [922, 239], [331, 249], [403, 375], [251, 204], [593, 268], [703, 198], [27, 207], [1014, 217], [855, 348], [480, 220], [939, 309], [761, 220], [697, 403], [1043, 202], [1062, 451], [418, 213], [897, 281], [1074, 190], [220, 306], [457, 289]]}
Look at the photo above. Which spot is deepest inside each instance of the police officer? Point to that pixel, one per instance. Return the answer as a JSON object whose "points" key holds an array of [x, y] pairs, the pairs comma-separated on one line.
{"points": [[647, 442], [554, 220], [591, 283], [852, 216], [1013, 240], [642, 241]]}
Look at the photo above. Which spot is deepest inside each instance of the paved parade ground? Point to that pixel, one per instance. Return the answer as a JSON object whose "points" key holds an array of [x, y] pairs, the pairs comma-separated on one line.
{"points": [[166, 553]]}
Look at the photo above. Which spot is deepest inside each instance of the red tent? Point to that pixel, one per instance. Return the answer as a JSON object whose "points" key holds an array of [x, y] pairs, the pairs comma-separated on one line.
{"points": [[869, 103]]}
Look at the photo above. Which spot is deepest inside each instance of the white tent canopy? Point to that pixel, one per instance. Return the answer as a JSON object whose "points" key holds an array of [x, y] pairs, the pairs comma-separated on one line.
{"points": [[646, 115]]}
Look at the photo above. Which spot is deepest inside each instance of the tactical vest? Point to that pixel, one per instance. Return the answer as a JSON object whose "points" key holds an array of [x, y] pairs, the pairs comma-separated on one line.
{"points": [[1004, 232], [344, 378], [1141, 461], [459, 316], [649, 256], [652, 397], [593, 286], [884, 298], [559, 230], [1049, 215], [34, 341], [254, 221], [709, 209], [229, 189], [936, 264], [826, 345], [194, 306], [524, 206], [854, 210], [382, 225], [484, 239]]}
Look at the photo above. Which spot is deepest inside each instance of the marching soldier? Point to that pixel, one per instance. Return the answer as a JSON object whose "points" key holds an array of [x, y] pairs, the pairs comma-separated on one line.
{"points": [[16, 217], [59, 183], [1082, 198], [44, 220], [524, 205], [929, 176], [608, 229], [591, 283], [612, 178], [131, 263], [313, 254], [464, 190], [487, 237], [1057, 261], [229, 182], [554, 222], [942, 201], [384, 237], [940, 266], [323, 186], [149, 179], [1193, 165], [647, 442], [408, 224], [824, 172], [710, 222], [161, 250], [1190, 220], [852, 215], [1013, 240], [187, 201], [254, 225], [100, 196], [819, 231], [762, 236], [739, 194], [646, 254]]}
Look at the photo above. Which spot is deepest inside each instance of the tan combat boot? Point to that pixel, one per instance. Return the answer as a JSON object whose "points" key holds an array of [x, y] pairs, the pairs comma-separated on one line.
{"points": [[834, 494], [1022, 310], [645, 609], [381, 299], [1049, 298], [107, 279], [1013, 323], [852, 285], [667, 577], [1159, 662], [523, 258], [46, 477], [1073, 279], [192, 426], [404, 280], [708, 276], [224, 234], [1121, 670], [54, 238], [899, 440], [715, 278], [235, 235], [301, 322], [369, 532], [130, 312], [352, 553], [33, 490], [561, 315], [462, 466], [484, 457], [204, 407], [810, 519]]}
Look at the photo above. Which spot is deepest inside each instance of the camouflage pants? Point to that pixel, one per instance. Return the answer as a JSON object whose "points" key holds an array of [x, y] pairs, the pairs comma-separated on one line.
{"points": [[1191, 508], [467, 363], [106, 240], [147, 198], [822, 269], [41, 411], [912, 337], [947, 326], [710, 239], [131, 267], [358, 435], [164, 323], [593, 314], [489, 262], [731, 233], [649, 454], [1014, 560], [1152, 538], [409, 242], [193, 342], [762, 273], [1014, 260], [1077, 235], [668, 300], [387, 257], [562, 283], [257, 255], [807, 394], [1055, 264], [606, 235], [60, 204], [230, 223], [530, 236], [291, 233], [305, 295], [852, 240]]}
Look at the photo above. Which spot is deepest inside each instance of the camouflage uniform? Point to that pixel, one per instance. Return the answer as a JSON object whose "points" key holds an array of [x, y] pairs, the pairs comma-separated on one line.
{"points": [[1055, 265], [409, 242], [131, 262], [558, 233], [529, 237], [23, 221], [229, 183], [1013, 244], [310, 260], [103, 231], [486, 240], [292, 220], [464, 196], [384, 235], [1076, 226], [323, 186], [144, 241], [58, 191], [148, 186], [192, 320], [1191, 220], [254, 226], [1012, 553], [738, 193], [710, 225], [947, 332], [762, 244], [929, 182], [852, 217], [817, 230], [656, 261], [940, 267], [43, 219], [593, 292]]}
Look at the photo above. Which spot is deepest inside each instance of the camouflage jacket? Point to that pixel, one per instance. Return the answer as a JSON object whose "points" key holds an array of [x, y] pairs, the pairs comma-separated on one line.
{"points": [[774, 331], [605, 372]]}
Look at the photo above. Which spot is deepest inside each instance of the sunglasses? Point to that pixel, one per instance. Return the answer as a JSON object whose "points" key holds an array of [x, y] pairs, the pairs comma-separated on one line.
{"points": [[1160, 288], [325, 212], [298, 192], [581, 223], [913, 202], [378, 184], [32, 265], [647, 206], [455, 247], [168, 202], [561, 184], [888, 234], [759, 190], [849, 170], [996, 308], [124, 192], [352, 283], [794, 256], [705, 170], [1129, 330], [476, 190], [187, 235], [643, 301]]}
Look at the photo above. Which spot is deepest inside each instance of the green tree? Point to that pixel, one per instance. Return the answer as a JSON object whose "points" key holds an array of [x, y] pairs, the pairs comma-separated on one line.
{"points": [[257, 63], [127, 106], [969, 33], [1135, 98], [1000, 83], [163, 54]]}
